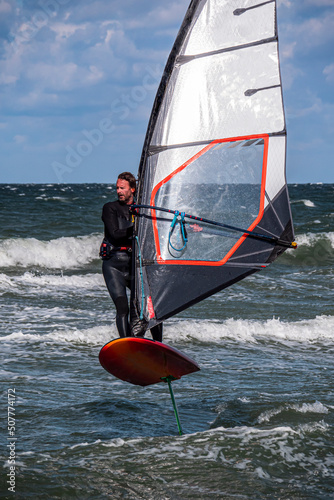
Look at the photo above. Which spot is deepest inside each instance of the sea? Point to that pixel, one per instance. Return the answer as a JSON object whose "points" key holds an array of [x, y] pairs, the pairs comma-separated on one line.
{"points": [[257, 419]]}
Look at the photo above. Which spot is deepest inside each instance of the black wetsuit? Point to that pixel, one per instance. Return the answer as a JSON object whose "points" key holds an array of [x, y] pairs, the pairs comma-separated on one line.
{"points": [[117, 270], [118, 230]]}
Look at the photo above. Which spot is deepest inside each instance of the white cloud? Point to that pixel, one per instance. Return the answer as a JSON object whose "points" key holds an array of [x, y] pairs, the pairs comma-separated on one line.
{"points": [[7, 79], [314, 31], [66, 30], [62, 76], [329, 73], [320, 3], [19, 139], [117, 41], [312, 104], [5, 7], [94, 75], [290, 73], [11, 65], [35, 100], [160, 16], [287, 51]]}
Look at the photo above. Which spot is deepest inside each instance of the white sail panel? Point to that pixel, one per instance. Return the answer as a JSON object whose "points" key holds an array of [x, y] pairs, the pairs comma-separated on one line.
{"points": [[275, 179], [228, 29], [209, 101]]}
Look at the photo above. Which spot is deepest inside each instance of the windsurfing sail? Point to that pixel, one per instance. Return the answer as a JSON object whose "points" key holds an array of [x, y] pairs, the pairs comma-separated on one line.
{"points": [[213, 203]]}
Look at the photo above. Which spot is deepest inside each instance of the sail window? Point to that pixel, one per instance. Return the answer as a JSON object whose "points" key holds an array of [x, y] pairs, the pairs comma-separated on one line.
{"points": [[224, 183]]}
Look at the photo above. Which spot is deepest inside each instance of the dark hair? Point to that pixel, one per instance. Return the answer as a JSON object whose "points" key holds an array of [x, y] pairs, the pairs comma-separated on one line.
{"points": [[127, 176]]}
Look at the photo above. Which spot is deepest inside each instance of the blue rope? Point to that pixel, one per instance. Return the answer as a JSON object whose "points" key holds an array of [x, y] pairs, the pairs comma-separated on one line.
{"points": [[141, 279], [182, 229]]}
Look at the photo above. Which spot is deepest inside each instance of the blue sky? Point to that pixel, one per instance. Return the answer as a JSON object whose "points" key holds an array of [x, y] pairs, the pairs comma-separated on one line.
{"points": [[78, 79]]}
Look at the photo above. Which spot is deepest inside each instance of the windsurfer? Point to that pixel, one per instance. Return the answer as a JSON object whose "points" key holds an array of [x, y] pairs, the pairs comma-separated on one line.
{"points": [[116, 252]]}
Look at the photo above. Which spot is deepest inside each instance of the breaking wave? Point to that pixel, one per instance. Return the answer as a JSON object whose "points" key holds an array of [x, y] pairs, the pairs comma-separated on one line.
{"points": [[60, 253], [318, 330], [76, 252]]}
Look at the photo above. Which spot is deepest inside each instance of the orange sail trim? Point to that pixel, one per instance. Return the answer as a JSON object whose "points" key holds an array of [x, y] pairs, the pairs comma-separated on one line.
{"points": [[160, 260]]}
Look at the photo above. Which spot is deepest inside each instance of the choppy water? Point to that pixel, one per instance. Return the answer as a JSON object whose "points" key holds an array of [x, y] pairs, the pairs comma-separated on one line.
{"points": [[258, 417]]}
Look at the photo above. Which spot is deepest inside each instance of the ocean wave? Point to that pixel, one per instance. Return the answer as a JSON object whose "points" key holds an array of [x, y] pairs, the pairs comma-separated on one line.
{"points": [[284, 443], [313, 249], [92, 336], [307, 203], [60, 253], [75, 252], [316, 407], [311, 239], [319, 330], [44, 283]]}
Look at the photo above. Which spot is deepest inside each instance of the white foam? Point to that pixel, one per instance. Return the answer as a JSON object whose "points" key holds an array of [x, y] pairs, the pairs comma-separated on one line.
{"points": [[80, 445], [312, 427], [47, 283], [60, 253], [319, 329], [44, 197], [310, 239], [91, 336], [307, 203], [261, 473], [316, 407]]}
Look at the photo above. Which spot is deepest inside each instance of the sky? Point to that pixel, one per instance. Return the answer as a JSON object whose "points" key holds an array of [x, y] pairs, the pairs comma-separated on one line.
{"points": [[78, 79]]}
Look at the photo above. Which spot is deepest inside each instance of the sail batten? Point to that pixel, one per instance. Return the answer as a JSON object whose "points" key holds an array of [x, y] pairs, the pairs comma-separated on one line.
{"points": [[238, 12], [215, 147], [184, 59]]}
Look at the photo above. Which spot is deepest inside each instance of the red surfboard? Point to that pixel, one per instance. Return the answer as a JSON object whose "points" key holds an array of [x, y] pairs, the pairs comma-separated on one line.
{"points": [[143, 361]]}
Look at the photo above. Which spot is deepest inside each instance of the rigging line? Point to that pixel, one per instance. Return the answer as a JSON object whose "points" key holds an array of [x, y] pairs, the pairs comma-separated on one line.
{"points": [[263, 237]]}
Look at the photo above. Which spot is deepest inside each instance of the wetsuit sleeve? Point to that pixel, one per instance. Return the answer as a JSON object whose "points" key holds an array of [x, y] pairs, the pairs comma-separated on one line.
{"points": [[116, 234]]}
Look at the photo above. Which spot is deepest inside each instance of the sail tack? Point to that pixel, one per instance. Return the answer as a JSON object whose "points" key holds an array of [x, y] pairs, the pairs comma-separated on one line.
{"points": [[215, 148]]}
